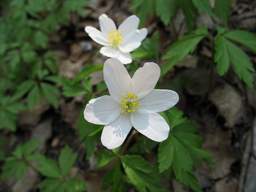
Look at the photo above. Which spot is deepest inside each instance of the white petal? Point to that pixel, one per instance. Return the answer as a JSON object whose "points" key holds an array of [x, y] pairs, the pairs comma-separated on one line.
{"points": [[133, 38], [125, 58], [109, 52], [106, 24], [145, 79], [102, 110], [158, 100], [117, 78], [129, 24], [152, 125], [126, 48], [96, 35], [114, 134]]}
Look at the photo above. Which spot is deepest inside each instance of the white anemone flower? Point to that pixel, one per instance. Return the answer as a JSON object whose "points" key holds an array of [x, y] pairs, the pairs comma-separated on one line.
{"points": [[118, 42], [133, 102]]}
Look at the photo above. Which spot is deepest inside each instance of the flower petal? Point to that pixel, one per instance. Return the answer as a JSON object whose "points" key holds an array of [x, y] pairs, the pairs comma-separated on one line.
{"points": [[130, 24], [125, 58], [102, 110], [152, 125], [96, 35], [109, 52], [114, 134], [133, 40], [106, 24], [158, 100], [126, 48], [145, 79], [117, 78]]}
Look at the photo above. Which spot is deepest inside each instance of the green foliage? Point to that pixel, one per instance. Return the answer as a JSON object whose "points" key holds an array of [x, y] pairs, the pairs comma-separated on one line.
{"points": [[143, 8], [57, 174], [181, 48], [166, 9], [149, 49], [141, 174], [80, 84], [18, 163], [226, 53], [203, 6], [182, 151], [25, 31], [9, 108], [89, 133], [222, 9]]}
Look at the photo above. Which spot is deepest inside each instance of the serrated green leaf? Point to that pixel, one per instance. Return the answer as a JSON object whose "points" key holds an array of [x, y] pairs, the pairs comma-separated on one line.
{"points": [[141, 174], [245, 38], [67, 159], [144, 9], [166, 9], [189, 11], [165, 155], [104, 158], [137, 162], [13, 168], [34, 97], [241, 63], [47, 167], [177, 51], [222, 9], [41, 39], [203, 6], [51, 93], [221, 56]]}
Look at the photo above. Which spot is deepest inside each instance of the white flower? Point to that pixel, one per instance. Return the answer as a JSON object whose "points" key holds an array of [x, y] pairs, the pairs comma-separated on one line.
{"points": [[133, 102], [118, 42]]}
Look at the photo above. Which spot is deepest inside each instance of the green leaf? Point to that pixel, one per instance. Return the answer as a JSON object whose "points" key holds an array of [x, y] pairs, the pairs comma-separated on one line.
{"points": [[23, 89], [34, 97], [166, 9], [177, 51], [8, 121], [241, 63], [189, 11], [165, 155], [87, 71], [51, 93], [188, 179], [203, 6], [227, 52], [47, 167], [245, 38], [141, 174], [137, 162], [149, 49], [182, 151], [13, 168], [41, 39], [144, 9], [67, 159], [221, 56], [104, 158], [114, 179], [222, 9]]}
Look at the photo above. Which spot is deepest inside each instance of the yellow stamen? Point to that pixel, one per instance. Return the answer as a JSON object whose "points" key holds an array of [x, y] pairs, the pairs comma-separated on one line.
{"points": [[129, 103], [115, 38]]}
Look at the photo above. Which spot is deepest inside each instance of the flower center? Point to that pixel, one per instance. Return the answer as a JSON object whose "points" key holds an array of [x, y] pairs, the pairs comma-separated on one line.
{"points": [[129, 103], [115, 38]]}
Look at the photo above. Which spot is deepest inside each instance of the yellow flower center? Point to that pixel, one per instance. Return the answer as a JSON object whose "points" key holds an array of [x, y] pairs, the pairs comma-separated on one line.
{"points": [[129, 103], [115, 38]]}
